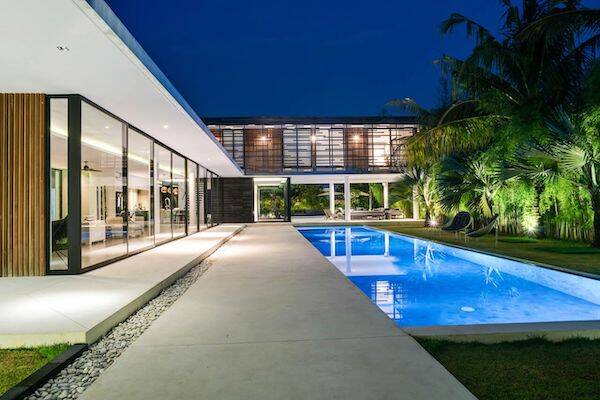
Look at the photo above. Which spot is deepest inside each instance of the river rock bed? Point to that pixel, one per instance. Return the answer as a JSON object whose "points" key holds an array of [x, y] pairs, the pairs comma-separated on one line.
{"points": [[82, 372]]}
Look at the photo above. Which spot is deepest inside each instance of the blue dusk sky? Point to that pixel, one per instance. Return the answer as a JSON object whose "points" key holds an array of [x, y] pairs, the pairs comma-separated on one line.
{"points": [[328, 57]]}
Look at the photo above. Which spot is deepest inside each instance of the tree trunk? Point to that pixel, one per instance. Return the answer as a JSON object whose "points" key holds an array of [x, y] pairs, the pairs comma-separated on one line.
{"points": [[596, 209], [427, 217]]}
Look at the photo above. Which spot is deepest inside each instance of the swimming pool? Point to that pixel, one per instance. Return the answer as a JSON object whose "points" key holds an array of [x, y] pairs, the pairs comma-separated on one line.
{"points": [[419, 283]]}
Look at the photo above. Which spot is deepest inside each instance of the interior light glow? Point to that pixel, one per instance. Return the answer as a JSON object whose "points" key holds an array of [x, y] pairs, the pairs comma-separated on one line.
{"points": [[116, 151], [313, 138]]}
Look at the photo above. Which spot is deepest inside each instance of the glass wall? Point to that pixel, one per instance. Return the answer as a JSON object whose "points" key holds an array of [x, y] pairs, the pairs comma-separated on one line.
{"points": [[178, 191], [163, 194], [201, 197], [59, 241], [208, 197], [103, 209], [140, 229], [134, 192], [192, 198]]}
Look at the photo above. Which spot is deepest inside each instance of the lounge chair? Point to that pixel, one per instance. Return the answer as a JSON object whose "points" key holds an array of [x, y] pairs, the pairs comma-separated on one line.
{"points": [[477, 233], [330, 216], [392, 213], [373, 214], [459, 223]]}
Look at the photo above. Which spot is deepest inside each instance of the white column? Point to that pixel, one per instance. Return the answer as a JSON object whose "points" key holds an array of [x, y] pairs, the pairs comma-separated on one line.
{"points": [[386, 200], [347, 198], [415, 203], [255, 202], [332, 198]]}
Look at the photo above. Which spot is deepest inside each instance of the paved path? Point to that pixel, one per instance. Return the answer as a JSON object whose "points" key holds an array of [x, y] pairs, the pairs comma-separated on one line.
{"points": [[81, 308], [273, 319]]}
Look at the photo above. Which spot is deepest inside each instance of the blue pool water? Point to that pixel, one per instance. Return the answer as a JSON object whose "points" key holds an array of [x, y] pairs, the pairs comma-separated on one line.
{"points": [[422, 283]]}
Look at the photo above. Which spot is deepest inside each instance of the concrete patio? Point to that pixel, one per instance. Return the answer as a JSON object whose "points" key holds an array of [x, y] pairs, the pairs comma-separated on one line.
{"points": [[273, 319], [81, 308]]}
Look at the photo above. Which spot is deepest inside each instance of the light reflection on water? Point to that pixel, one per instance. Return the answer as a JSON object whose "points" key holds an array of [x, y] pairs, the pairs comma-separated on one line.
{"points": [[422, 283]]}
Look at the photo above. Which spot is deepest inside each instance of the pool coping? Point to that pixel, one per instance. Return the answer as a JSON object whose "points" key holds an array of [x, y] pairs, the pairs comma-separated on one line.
{"points": [[510, 332], [495, 333]]}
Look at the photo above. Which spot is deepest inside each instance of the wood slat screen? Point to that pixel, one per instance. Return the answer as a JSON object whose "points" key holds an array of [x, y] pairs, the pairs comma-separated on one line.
{"points": [[22, 185], [263, 148], [356, 151]]}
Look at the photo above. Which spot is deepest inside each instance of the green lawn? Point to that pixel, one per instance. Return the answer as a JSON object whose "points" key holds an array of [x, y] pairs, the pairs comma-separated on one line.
{"points": [[17, 364], [572, 255], [534, 369]]}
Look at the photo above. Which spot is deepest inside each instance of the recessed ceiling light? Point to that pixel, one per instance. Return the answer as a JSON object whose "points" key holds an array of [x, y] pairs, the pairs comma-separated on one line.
{"points": [[166, 126], [107, 127]]}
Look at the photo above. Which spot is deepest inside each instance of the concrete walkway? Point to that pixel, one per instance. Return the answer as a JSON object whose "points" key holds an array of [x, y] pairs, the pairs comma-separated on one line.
{"points": [[81, 308], [273, 319]]}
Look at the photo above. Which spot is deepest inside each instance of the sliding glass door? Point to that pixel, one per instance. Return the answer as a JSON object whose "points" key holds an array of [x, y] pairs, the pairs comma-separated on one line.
{"points": [[163, 196], [140, 226], [179, 196], [112, 190], [192, 197], [59, 184], [103, 210]]}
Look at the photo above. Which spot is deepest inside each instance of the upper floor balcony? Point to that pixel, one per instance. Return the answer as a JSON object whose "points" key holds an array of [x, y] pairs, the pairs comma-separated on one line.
{"points": [[283, 145]]}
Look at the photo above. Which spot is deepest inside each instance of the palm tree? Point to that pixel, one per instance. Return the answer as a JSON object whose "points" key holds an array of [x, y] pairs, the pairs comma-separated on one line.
{"points": [[576, 154], [424, 186], [461, 125], [539, 61], [519, 78], [474, 181]]}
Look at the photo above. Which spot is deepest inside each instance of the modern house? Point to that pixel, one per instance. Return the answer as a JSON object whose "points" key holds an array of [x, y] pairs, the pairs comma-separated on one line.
{"points": [[101, 157], [282, 151]]}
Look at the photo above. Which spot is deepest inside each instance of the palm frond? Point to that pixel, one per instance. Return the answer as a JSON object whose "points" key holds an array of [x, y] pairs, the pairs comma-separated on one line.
{"points": [[554, 25], [473, 29]]}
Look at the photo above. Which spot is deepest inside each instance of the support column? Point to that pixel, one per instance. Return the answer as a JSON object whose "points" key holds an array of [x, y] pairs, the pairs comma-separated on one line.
{"points": [[347, 198], [332, 198], [386, 200], [256, 204], [415, 202]]}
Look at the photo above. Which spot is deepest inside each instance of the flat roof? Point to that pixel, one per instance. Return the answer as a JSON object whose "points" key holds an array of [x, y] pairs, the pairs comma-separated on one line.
{"points": [[280, 120], [81, 47]]}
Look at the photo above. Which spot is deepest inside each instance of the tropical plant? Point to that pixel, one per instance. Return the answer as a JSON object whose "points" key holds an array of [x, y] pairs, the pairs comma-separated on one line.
{"points": [[576, 153], [423, 182], [530, 91], [461, 125], [508, 86], [473, 181]]}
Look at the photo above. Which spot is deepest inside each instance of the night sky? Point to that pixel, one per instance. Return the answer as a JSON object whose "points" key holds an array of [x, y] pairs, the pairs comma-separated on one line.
{"points": [[327, 57]]}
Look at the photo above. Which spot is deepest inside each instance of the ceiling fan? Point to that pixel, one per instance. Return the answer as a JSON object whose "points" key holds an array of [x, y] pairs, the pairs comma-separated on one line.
{"points": [[87, 168]]}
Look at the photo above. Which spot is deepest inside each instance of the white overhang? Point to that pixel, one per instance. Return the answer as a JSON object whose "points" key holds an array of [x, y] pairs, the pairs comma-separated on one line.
{"points": [[105, 64]]}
